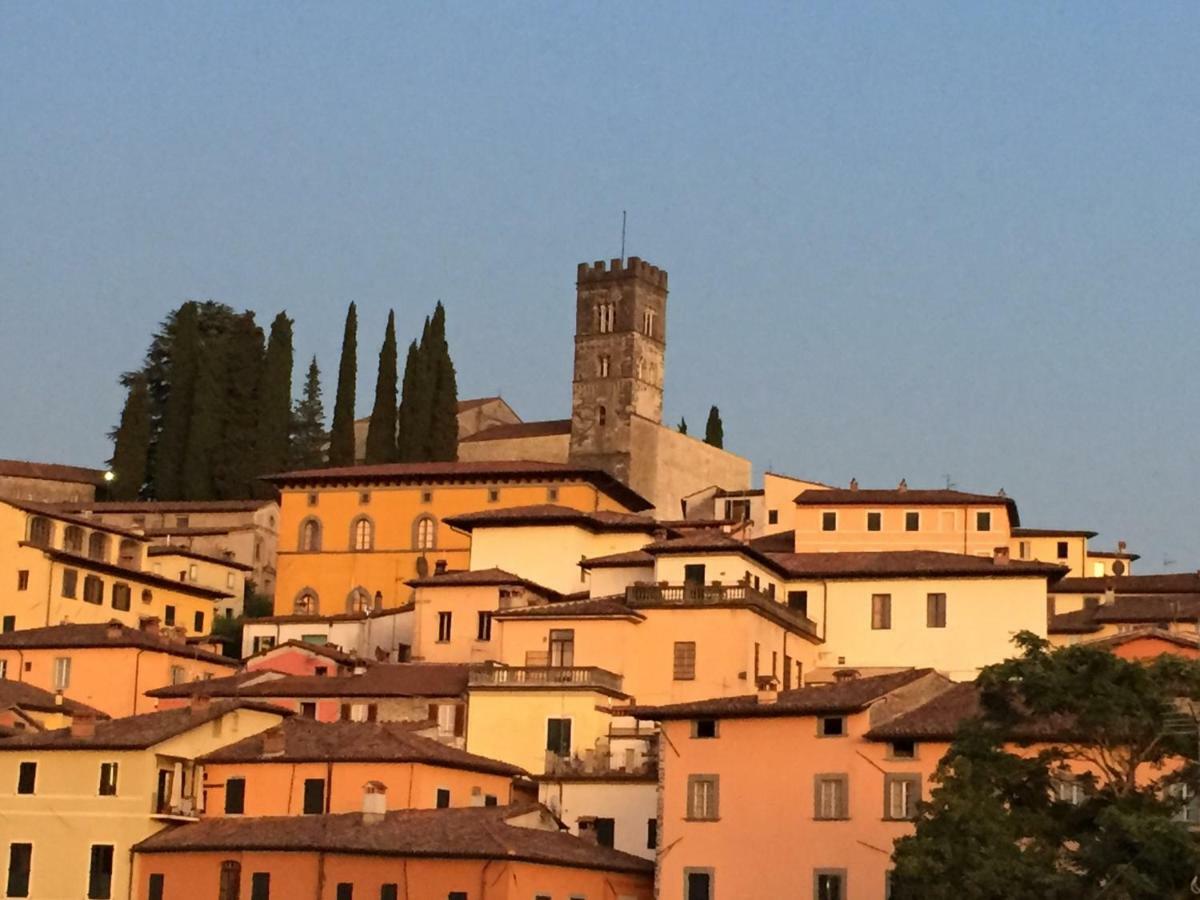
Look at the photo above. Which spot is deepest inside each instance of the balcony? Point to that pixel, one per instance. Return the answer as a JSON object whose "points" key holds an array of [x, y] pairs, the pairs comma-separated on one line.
{"points": [[545, 677], [715, 595]]}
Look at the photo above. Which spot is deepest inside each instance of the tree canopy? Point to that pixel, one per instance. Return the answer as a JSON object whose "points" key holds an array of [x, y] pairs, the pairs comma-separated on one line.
{"points": [[1069, 784], [381, 430], [341, 432]]}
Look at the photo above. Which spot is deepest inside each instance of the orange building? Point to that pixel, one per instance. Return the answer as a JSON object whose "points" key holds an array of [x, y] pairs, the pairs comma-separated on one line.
{"points": [[471, 853], [351, 538], [306, 767], [108, 666]]}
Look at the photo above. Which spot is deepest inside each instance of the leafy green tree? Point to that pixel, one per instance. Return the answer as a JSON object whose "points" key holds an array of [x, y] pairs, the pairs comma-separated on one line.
{"points": [[131, 444], [308, 436], [179, 353], [443, 419], [381, 430], [341, 433], [714, 431], [235, 455], [682, 427], [407, 444], [995, 827], [274, 404]]}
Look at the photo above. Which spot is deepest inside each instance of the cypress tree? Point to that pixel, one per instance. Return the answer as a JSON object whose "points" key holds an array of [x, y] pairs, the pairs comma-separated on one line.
{"points": [[406, 443], [274, 404], [420, 410], [131, 443], [308, 424], [341, 434], [682, 428], [714, 431], [381, 432], [443, 418], [204, 433], [235, 455], [180, 361]]}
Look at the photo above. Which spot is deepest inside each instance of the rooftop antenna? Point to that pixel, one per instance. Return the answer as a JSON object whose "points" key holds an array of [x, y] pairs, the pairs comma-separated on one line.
{"points": [[622, 237]]}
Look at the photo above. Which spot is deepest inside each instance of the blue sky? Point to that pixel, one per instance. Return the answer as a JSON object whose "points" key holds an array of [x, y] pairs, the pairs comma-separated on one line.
{"points": [[905, 240]]}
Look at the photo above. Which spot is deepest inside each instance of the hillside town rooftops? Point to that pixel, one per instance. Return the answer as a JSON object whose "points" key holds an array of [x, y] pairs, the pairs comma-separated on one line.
{"points": [[632, 559], [54, 511], [903, 496], [41, 471], [481, 832], [22, 695], [327, 651], [382, 680], [1127, 609], [107, 635], [591, 608], [298, 740], [1166, 583], [542, 514], [493, 577]]}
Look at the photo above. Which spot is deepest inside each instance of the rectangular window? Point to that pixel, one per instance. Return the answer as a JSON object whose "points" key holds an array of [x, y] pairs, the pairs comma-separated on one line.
{"points": [[1023, 549], [26, 777], [314, 796], [702, 797], [177, 675], [493, 495], [831, 797], [62, 673], [445, 624], [108, 779], [901, 749], [484, 630], [798, 601], [693, 573], [552, 495], [260, 886], [562, 648], [345, 891], [606, 832], [93, 590], [1063, 550], [154, 890], [829, 521], [881, 611], [235, 796], [457, 895], [874, 521], [935, 610], [9, 624], [685, 660], [900, 796], [169, 615], [698, 884], [198, 623], [558, 737], [23, 580], [389, 892], [829, 884], [120, 596], [442, 801], [704, 728], [772, 517], [230, 885], [70, 583], [831, 726], [983, 521], [912, 521], [100, 872], [19, 858]]}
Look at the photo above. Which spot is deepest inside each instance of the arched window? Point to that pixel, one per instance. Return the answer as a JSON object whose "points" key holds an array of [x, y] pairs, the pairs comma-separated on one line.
{"points": [[310, 535], [73, 539], [127, 554], [358, 601], [41, 532], [425, 533], [601, 415], [306, 603], [362, 534], [98, 546]]}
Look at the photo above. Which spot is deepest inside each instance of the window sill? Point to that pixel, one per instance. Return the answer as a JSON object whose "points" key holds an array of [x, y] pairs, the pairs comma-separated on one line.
{"points": [[691, 819], [830, 819]]}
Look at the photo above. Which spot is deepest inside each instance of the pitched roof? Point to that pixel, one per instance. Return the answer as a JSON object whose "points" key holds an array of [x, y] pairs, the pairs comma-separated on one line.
{"points": [[939, 718], [472, 832], [305, 740], [552, 514], [133, 732], [632, 559], [1052, 532], [1186, 641], [472, 402], [19, 468], [141, 576], [104, 635], [779, 542], [328, 651], [904, 497], [188, 553], [900, 563], [27, 696], [296, 619], [1113, 554], [460, 472], [1166, 583], [1127, 609], [492, 577], [167, 506], [517, 430], [382, 680], [53, 511], [847, 696], [591, 608]]}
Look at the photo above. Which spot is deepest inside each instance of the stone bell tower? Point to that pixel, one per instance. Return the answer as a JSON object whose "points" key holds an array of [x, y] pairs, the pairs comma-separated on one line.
{"points": [[620, 348]]}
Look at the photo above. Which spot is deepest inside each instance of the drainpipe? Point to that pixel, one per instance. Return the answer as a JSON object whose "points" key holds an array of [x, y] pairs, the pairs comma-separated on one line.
{"points": [[483, 879], [328, 784], [137, 669], [50, 591], [320, 875], [824, 609]]}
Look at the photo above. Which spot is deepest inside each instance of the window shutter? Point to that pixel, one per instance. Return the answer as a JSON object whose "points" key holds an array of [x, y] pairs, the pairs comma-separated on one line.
{"points": [[460, 721]]}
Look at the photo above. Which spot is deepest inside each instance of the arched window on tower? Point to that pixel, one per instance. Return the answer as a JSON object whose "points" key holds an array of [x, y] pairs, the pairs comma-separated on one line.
{"points": [[362, 534], [425, 533], [310, 535]]}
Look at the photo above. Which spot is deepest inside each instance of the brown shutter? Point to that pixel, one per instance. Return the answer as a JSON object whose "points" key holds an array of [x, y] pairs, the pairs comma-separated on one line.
{"points": [[460, 721]]}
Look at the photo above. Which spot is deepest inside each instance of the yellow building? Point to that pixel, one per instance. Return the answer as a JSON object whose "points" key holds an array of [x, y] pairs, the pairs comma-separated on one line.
{"points": [[352, 538], [75, 800], [193, 567], [68, 568]]}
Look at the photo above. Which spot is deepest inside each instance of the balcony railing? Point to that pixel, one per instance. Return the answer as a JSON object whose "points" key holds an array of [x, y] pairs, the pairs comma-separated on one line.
{"points": [[714, 595], [544, 676]]}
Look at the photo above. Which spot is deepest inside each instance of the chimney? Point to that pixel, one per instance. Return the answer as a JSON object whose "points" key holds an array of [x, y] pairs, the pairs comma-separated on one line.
{"points": [[1120, 546], [83, 726], [149, 625], [1000, 556], [58, 698], [845, 674], [374, 803], [587, 829], [902, 486], [200, 704], [273, 742], [113, 630], [439, 567], [768, 689], [854, 484], [1110, 596]]}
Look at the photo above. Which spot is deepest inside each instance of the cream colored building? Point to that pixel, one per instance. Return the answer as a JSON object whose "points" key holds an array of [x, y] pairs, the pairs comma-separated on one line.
{"points": [[48, 482]]}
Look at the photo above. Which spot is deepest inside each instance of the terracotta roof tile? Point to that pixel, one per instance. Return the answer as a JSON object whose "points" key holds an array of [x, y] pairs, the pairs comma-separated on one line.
{"points": [[553, 514], [1167, 583], [517, 430], [19, 468], [167, 506], [328, 651], [906, 497], [1052, 532], [382, 680], [305, 740], [900, 563], [187, 553], [631, 559], [23, 695], [592, 608], [104, 635], [493, 577], [459, 833], [53, 511], [939, 719]]}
